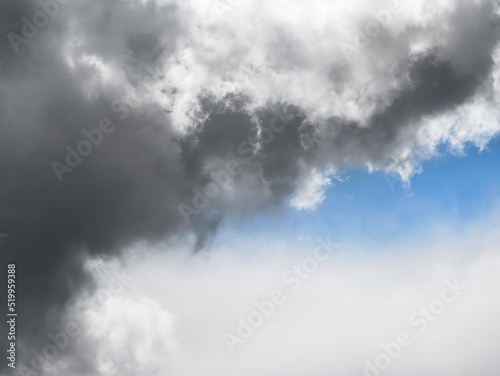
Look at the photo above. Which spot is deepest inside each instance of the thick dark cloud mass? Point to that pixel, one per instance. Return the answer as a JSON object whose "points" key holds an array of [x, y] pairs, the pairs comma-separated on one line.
{"points": [[181, 92]]}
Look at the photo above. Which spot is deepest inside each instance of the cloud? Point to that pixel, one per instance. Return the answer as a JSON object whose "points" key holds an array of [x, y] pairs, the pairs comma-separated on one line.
{"points": [[312, 192], [196, 82], [339, 317]]}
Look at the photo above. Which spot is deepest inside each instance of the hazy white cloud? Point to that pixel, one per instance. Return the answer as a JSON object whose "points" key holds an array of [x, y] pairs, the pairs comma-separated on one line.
{"points": [[332, 320]]}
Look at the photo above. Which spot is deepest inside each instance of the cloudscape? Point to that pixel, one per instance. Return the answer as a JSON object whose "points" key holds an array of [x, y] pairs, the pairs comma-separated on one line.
{"points": [[249, 187]]}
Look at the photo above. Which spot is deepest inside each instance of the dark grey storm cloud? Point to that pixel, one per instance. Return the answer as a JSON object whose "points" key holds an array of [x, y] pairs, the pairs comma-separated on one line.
{"points": [[181, 95]]}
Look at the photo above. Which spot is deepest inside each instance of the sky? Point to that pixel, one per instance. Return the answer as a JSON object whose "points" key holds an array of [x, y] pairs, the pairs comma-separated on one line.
{"points": [[452, 191], [242, 187]]}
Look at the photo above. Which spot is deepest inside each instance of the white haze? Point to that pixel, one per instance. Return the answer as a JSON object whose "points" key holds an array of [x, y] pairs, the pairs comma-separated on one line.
{"points": [[173, 321]]}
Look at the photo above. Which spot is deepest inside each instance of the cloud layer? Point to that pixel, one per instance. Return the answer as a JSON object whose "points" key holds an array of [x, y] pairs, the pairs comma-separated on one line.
{"points": [[332, 319]]}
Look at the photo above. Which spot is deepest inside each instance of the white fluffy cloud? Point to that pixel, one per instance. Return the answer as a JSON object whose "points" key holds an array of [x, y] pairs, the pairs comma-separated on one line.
{"points": [[295, 53], [333, 60], [311, 193]]}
